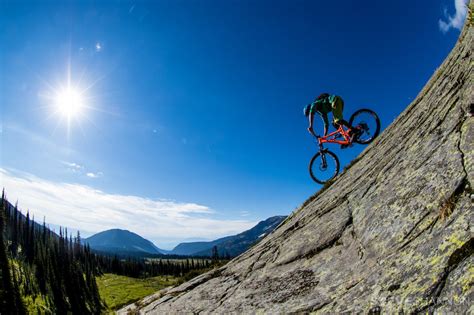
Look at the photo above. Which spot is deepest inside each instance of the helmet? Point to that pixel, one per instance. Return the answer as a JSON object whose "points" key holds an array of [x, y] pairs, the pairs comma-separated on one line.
{"points": [[307, 109], [321, 97]]}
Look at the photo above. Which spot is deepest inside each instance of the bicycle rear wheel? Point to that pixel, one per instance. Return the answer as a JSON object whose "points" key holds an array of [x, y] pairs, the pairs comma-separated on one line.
{"points": [[323, 168], [369, 124]]}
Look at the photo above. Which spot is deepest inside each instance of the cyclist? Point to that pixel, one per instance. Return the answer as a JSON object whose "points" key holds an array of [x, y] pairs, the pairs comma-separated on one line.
{"points": [[323, 105]]}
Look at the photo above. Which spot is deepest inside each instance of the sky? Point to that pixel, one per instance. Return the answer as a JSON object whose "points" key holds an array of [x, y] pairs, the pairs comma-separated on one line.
{"points": [[186, 119]]}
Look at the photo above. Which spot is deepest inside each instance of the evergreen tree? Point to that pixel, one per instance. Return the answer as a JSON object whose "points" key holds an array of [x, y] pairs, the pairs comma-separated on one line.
{"points": [[10, 299], [215, 254]]}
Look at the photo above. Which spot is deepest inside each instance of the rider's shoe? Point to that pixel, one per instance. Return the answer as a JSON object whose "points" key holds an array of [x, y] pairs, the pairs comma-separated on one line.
{"points": [[354, 133]]}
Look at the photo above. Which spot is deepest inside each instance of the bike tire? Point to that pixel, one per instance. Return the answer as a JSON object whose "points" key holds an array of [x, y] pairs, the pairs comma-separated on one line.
{"points": [[377, 123], [315, 157]]}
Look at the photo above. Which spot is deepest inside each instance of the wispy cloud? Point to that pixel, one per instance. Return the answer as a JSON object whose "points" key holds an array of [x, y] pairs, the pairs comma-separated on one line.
{"points": [[244, 213], [80, 170], [82, 207], [94, 175], [73, 167], [456, 20]]}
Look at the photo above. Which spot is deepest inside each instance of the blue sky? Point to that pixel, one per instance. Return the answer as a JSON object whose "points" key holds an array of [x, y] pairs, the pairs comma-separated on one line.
{"points": [[192, 124]]}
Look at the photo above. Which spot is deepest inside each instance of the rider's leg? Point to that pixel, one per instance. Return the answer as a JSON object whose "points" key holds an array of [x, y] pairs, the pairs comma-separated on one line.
{"points": [[338, 107], [345, 124]]}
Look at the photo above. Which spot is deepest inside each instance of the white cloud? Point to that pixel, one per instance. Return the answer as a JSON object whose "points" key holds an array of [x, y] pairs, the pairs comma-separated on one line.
{"points": [[457, 20], [94, 175], [165, 222], [73, 167], [80, 169], [98, 46]]}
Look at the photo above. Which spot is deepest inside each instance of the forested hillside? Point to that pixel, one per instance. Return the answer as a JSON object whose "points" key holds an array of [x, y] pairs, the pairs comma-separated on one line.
{"points": [[45, 272]]}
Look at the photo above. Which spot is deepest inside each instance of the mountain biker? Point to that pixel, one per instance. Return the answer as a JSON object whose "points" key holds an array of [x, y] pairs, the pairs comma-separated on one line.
{"points": [[323, 105]]}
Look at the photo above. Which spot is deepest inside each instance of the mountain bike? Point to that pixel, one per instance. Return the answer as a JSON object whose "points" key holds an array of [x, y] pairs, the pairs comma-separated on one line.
{"points": [[324, 165]]}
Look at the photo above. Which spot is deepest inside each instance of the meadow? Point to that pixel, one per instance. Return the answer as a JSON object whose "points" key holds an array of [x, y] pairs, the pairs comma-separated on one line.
{"points": [[118, 291]]}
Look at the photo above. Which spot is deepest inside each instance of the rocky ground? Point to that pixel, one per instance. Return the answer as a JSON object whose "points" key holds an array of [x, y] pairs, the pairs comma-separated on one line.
{"points": [[401, 239]]}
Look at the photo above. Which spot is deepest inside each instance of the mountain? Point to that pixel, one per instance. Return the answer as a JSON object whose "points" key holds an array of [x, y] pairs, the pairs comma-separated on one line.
{"points": [[190, 248], [237, 244], [121, 241], [124, 243], [230, 245], [392, 234]]}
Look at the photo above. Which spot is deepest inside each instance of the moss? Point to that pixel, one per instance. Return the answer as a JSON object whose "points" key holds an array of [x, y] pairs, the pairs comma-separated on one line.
{"points": [[435, 260], [452, 241], [466, 283]]}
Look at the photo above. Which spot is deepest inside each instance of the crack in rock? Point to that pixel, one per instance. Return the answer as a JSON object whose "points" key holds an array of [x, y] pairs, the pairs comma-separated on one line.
{"points": [[459, 255]]}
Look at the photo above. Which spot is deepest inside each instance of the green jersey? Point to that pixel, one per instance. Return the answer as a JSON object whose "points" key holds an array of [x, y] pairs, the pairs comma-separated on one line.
{"points": [[327, 103], [323, 105]]}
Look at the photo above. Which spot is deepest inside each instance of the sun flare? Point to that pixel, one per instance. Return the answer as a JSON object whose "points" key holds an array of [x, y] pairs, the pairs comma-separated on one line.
{"points": [[69, 102]]}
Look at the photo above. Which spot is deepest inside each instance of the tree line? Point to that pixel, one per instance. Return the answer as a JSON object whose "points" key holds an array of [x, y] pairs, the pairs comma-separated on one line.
{"points": [[44, 266], [36, 264]]}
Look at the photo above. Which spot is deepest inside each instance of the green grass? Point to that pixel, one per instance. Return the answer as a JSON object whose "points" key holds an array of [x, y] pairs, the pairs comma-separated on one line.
{"points": [[118, 291], [36, 305]]}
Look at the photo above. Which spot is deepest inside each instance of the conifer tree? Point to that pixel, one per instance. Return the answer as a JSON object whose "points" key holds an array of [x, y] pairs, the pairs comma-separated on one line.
{"points": [[10, 299]]}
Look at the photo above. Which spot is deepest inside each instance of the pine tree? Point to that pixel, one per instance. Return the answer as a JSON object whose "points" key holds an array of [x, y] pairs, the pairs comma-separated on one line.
{"points": [[10, 299], [215, 254]]}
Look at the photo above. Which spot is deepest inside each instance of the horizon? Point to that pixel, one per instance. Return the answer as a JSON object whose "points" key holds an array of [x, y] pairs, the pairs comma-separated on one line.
{"points": [[170, 129], [74, 232]]}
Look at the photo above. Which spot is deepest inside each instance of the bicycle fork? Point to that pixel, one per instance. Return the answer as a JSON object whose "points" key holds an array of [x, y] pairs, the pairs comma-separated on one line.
{"points": [[324, 163]]}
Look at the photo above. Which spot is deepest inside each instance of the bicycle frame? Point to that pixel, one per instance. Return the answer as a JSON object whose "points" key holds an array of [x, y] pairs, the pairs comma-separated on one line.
{"points": [[331, 138], [325, 161]]}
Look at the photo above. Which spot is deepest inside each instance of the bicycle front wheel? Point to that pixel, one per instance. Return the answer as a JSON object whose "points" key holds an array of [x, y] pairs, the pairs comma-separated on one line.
{"points": [[324, 167], [368, 123]]}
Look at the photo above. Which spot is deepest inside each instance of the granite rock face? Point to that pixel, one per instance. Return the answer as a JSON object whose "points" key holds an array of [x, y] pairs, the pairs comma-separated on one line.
{"points": [[399, 240]]}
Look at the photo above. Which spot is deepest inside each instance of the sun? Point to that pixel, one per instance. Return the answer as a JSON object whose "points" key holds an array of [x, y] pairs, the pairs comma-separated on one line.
{"points": [[69, 102]]}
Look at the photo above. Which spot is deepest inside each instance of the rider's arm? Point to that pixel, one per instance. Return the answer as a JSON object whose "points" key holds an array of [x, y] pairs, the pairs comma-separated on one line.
{"points": [[311, 119]]}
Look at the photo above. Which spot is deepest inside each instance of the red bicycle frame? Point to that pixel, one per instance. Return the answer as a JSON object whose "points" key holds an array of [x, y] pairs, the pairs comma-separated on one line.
{"points": [[331, 138]]}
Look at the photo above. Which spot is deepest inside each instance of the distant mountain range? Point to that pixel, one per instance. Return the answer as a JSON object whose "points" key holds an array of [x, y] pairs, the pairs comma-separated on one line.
{"points": [[124, 242], [230, 245]]}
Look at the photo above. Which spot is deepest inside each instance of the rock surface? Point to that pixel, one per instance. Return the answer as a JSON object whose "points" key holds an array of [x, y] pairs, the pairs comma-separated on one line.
{"points": [[399, 240]]}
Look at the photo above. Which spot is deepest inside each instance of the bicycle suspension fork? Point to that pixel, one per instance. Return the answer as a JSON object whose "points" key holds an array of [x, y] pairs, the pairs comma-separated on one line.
{"points": [[323, 154]]}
